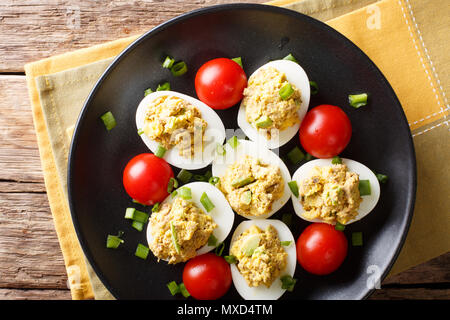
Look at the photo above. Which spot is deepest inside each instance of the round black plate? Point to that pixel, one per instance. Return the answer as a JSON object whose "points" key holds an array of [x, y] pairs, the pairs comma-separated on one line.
{"points": [[258, 33]]}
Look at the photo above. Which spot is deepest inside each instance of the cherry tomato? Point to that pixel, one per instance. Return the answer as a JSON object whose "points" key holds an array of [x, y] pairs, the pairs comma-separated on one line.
{"points": [[146, 177], [220, 83], [207, 276], [321, 248], [325, 131]]}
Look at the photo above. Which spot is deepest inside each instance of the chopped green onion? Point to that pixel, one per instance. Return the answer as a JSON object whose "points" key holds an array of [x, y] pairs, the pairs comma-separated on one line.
{"points": [[286, 91], [220, 149], [185, 193], [219, 249], [241, 182], [136, 215], [287, 218], [357, 239], [163, 86], [108, 120], [382, 177], [364, 187], [129, 213], [336, 160], [230, 259], [238, 60], [308, 157], [208, 175], [200, 177], [155, 207], [173, 184], [339, 226], [160, 151], [212, 240], [113, 242], [246, 197], [168, 62], [263, 122], [139, 226], [206, 202], [174, 237], [214, 180], [285, 243], [294, 187], [287, 282], [314, 87], [357, 100], [295, 155], [147, 91], [174, 194], [233, 142], [173, 288], [141, 251], [179, 68], [184, 176], [183, 290], [291, 58], [140, 132]]}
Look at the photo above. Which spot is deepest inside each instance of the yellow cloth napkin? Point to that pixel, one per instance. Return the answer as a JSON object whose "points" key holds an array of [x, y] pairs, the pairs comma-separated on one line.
{"points": [[408, 41]]}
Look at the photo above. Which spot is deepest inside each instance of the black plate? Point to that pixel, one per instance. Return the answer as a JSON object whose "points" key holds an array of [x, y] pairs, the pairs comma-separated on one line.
{"points": [[381, 140]]}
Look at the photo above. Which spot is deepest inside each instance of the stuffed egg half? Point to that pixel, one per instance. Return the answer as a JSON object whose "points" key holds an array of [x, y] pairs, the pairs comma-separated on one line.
{"points": [[275, 102], [265, 253], [332, 193], [191, 221], [252, 178], [184, 128]]}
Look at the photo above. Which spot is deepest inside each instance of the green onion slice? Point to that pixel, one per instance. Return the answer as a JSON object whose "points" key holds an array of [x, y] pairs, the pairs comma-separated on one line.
{"points": [[339, 226], [113, 242], [173, 184], [291, 58], [183, 290], [155, 207], [142, 251], [286, 91], [163, 86], [173, 288], [287, 282], [140, 131], [357, 239], [185, 193], [136, 215], [230, 259], [296, 155], [233, 142], [263, 122], [357, 100], [108, 120], [206, 202], [314, 87], [174, 237], [160, 151], [382, 177], [238, 60], [241, 182], [139, 226], [285, 243], [219, 249], [294, 187], [174, 194], [246, 197], [129, 213], [179, 68], [364, 187], [214, 180], [184, 176], [220, 149], [212, 240], [336, 160], [147, 91], [168, 62]]}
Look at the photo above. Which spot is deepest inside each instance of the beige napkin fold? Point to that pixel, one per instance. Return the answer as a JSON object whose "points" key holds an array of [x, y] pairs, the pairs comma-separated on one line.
{"points": [[62, 94]]}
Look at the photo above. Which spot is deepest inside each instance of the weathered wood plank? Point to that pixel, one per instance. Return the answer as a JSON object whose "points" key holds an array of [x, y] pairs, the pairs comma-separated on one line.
{"points": [[33, 30], [34, 294], [19, 154], [410, 294]]}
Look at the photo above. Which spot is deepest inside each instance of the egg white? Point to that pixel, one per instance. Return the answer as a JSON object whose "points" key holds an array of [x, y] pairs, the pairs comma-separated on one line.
{"points": [[214, 133], [222, 213], [296, 76], [261, 292], [368, 202], [252, 149]]}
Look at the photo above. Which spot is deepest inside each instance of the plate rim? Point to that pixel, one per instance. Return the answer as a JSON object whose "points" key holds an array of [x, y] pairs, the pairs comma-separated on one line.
{"points": [[209, 10]]}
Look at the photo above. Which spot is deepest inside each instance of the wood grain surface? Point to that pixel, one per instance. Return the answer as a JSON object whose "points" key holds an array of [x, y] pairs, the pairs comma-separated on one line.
{"points": [[31, 263]]}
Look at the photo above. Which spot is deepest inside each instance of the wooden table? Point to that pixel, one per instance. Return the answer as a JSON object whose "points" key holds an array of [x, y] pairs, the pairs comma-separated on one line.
{"points": [[31, 263]]}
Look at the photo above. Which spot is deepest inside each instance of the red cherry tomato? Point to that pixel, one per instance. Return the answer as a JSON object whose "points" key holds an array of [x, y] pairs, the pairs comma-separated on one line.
{"points": [[207, 276], [321, 248], [220, 83], [325, 131], [146, 177]]}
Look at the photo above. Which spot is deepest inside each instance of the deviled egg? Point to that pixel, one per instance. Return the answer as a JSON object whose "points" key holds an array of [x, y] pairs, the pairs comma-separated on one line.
{"points": [[181, 128], [189, 222], [334, 193], [265, 255], [252, 178], [274, 103]]}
